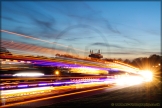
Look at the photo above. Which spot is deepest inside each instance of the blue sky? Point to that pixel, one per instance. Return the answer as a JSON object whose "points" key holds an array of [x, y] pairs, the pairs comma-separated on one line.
{"points": [[119, 29]]}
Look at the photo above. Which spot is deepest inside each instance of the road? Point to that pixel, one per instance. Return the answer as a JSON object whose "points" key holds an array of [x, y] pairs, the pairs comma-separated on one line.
{"points": [[63, 97]]}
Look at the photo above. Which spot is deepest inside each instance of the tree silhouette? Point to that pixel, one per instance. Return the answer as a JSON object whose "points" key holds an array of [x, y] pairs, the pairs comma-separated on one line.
{"points": [[127, 61]]}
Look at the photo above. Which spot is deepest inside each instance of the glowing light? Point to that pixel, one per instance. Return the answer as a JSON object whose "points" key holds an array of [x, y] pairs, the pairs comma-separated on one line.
{"points": [[88, 70], [146, 74], [131, 80], [28, 74], [22, 85], [14, 60], [7, 60], [32, 85], [57, 72], [42, 84], [24, 90], [28, 62], [22, 61], [57, 83]]}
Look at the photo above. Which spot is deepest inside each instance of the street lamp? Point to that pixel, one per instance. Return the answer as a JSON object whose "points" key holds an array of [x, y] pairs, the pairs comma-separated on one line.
{"points": [[57, 72]]}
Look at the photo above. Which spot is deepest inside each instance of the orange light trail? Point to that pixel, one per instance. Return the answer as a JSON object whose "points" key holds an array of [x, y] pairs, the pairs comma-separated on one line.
{"points": [[19, 103]]}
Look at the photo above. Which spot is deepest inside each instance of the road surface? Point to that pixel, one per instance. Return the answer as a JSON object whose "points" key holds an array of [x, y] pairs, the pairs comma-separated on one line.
{"points": [[63, 97]]}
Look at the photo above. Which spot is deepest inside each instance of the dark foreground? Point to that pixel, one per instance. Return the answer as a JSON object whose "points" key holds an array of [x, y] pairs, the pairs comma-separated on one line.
{"points": [[146, 94]]}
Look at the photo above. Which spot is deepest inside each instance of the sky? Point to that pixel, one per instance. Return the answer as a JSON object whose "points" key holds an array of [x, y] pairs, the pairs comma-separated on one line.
{"points": [[126, 29]]}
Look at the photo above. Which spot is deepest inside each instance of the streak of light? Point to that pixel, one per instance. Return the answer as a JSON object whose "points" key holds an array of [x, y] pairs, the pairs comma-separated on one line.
{"points": [[28, 49], [22, 35], [52, 97], [88, 70], [29, 74], [131, 80], [5, 92]]}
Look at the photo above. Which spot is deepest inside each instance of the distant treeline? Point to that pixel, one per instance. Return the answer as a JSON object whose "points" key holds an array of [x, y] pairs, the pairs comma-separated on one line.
{"points": [[153, 60]]}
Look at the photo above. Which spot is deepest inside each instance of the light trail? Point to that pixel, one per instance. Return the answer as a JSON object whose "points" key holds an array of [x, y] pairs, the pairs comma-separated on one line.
{"points": [[62, 95], [132, 79], [19, 103], [5, 92], [31, 37], [33, 74], [28, 49]]}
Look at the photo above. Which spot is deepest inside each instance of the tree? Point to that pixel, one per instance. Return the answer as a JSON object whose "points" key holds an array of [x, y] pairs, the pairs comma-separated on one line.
{"points": [[127, 61], [136, 62], [154, 59], [120, 60]]}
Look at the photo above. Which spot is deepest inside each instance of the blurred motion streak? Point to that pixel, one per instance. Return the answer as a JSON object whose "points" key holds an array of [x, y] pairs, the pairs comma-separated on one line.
{"points": [[22, 35]]}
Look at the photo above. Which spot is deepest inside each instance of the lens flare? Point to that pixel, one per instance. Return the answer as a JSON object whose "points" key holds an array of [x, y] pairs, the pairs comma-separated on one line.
{"points": [[147, 75]]}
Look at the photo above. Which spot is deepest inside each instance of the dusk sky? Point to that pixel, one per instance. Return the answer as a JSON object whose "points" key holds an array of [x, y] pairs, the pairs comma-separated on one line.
{"points": [[119, 29]]}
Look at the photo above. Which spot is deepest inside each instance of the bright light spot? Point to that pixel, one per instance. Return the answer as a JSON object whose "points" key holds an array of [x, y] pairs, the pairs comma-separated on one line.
{"points": [[28, 62], [147, 75], [129, 80], [135, 80], [28, 74], [57, 72], [120, 81]]}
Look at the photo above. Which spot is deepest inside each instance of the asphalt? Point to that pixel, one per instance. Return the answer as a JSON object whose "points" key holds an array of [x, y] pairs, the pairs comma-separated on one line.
{"points": [[64, 97]]}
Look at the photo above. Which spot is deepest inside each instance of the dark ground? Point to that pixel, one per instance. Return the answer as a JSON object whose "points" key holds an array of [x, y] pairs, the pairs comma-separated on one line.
{"points": [[148, 94]]}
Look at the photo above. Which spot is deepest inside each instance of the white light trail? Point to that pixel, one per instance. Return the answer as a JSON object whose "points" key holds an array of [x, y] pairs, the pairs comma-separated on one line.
{"points": [[5, 92], [28, 74]]}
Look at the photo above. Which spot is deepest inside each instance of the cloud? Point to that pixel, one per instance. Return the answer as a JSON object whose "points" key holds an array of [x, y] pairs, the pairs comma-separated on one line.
{"points": [[43, 23], [77, 32], [46, 27], [74, 39], [151, 52], [136, 40], [110, 27], [106, 45], [11, 19], [133, 53], [22, 30], [83, 14], [153, 32], [117, 53]]}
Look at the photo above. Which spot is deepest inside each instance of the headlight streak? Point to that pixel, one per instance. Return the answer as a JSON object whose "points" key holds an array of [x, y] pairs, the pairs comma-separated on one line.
{"points": [[72, 81], [119, 80], [68, 85], [33, 74], [131, 80], [38, 90]]}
